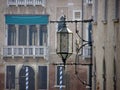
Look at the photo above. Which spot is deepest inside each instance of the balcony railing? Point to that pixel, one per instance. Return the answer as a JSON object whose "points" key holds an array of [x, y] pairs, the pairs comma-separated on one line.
{"points": [[89, 1], [26, 2], [24, 51]]}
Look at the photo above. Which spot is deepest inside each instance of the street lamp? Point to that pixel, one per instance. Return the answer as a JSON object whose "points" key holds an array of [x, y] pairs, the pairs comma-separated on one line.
{"points": [[64, 42], [65, 45]]}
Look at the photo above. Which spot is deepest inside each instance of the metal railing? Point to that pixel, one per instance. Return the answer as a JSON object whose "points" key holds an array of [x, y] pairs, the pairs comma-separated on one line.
{"points": [[89, 1], [24, 51], [26, 2]]}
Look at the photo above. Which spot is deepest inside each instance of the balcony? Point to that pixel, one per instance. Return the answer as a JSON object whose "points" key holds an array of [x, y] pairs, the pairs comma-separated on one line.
{"points": [[24, 51], [26, 2]]}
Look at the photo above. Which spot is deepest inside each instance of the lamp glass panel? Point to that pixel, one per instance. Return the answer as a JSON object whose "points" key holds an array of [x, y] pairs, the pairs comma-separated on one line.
{"points": [[64, 55], [58, 42], [64, 42], [70, 43]]}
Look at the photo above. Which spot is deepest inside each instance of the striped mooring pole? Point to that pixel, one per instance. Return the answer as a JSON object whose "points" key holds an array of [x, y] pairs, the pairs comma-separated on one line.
{"points": [[26, 75], [61, 77]]}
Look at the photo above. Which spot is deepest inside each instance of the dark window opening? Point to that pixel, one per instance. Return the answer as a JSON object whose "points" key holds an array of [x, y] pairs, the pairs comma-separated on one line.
{"points": [[10, 77]]}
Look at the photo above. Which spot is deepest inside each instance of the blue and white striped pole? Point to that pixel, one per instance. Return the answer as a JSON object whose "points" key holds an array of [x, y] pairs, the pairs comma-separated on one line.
{"points": [[26, 75], [61, 77]]}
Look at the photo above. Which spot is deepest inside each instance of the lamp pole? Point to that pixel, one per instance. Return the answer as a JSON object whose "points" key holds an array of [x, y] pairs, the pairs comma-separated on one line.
{"points": [[90, 67], [66, 54]]}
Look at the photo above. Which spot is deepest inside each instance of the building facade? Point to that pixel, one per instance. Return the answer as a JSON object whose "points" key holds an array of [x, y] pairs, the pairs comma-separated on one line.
{"points": [[106, 58], [28, 45]]}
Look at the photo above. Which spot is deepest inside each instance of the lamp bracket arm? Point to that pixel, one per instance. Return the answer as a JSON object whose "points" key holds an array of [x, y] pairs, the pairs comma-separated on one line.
{"points": [[75, 21], [81, 37], [83, 82], [82, 46]]}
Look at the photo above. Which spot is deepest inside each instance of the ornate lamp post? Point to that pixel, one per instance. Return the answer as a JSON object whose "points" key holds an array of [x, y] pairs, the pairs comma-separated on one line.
{"points": [[64, 42], [65, 46]]}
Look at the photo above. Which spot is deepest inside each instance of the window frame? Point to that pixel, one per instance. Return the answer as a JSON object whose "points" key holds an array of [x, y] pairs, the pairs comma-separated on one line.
{"points": [[104, 74], [41, 40], [10, 33], [114, 74], [95, 11], [47, 76], [74, 18], [44, 32], [33, 35], [116, 11], [105, 11], [21, 33], [6, 76]]}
